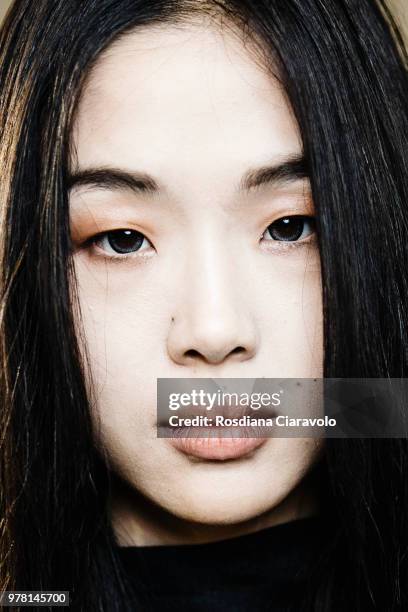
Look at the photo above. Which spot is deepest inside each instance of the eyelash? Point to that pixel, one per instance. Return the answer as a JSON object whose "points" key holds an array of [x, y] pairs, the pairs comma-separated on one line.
{"points": [[281, 244]]}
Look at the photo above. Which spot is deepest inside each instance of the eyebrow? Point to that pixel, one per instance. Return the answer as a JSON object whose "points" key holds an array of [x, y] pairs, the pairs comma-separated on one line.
{"points": [[291, 169]]}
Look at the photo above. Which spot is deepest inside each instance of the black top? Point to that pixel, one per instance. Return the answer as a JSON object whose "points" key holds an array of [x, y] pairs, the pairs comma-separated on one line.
{"points": [[265, 570]]}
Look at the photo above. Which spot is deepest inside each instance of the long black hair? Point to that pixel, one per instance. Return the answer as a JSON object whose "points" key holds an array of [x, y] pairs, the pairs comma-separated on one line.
{"points": [[343, 67]]}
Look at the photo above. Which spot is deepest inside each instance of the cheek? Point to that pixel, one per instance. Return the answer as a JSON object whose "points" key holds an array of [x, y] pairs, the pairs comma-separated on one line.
{"points": [[291, 319], [125, 338], [302, 324], [123, 316]]}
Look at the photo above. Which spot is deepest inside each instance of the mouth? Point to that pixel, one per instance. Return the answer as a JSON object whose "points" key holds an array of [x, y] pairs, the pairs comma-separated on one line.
{"points": [[217, 447], [216, 442]]}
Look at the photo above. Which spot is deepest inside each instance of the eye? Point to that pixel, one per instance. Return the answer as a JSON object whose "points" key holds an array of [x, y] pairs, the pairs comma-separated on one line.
{"points": [[290, 229], [121, 242]]}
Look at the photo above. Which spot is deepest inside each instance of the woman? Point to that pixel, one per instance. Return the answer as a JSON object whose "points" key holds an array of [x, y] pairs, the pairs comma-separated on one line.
{"points": [[199, 189]]}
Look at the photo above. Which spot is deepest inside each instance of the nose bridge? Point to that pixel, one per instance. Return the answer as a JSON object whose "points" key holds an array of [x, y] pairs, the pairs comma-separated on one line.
{"points": [[210, 274], [211, 319]]}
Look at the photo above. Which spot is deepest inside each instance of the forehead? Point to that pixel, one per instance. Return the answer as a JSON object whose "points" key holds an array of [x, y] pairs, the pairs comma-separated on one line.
{"points": [[182, 101]]}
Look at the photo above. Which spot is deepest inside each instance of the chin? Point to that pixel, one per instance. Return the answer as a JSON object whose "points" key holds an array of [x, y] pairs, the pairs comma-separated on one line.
{"points": [[228, 505], [228, 514]]}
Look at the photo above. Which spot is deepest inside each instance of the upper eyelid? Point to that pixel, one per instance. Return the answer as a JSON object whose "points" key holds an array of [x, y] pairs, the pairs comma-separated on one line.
{"points": [[105, 232]]}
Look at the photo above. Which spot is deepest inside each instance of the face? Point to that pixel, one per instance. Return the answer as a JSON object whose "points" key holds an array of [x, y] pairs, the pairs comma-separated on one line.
{"points": [[185, 266]]}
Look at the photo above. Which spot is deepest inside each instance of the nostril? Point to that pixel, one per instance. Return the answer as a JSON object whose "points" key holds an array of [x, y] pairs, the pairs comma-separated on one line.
{"points": [[192, 353]]}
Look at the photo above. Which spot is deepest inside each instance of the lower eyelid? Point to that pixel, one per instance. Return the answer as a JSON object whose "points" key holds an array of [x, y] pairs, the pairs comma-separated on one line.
{"points": [[112, 255], [286, 245], [130, 258]]}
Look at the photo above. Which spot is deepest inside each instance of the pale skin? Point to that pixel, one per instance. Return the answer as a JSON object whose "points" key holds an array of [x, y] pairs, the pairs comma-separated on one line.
{"points": [[207, 292]]}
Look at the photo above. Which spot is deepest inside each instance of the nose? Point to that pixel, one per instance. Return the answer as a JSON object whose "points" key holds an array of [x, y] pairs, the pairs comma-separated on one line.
{"points": [[211, 322]]}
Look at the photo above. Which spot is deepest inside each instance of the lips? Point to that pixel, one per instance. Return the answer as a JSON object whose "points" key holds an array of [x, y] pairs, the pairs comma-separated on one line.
{"points": [[216, 446], [218, 443]]}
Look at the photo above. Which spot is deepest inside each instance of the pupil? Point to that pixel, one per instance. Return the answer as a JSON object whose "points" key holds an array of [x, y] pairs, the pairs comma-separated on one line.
{"points": [[125, 241], [288, 228]]}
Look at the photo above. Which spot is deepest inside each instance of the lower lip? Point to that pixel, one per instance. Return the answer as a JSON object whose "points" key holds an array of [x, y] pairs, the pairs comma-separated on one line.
{"points": [[217, 447]]}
